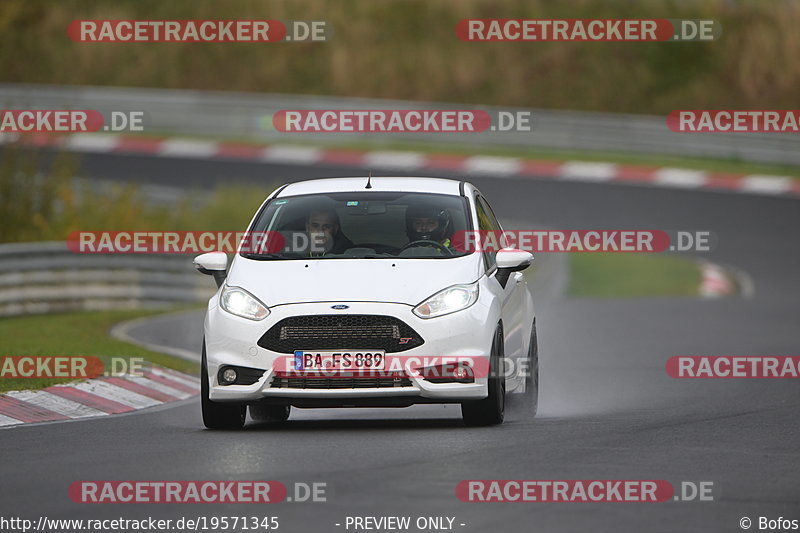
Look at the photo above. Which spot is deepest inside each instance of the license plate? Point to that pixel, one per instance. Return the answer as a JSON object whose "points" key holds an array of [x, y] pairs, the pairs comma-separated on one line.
{"points": [[339, 360]]}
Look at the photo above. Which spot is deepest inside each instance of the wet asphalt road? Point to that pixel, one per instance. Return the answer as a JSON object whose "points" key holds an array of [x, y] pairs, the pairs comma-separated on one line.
{"points": [[608, 409]]}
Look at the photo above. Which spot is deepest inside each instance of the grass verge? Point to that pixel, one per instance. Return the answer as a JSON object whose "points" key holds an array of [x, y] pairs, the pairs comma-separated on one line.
{"points": [[81, 333], [632, 275]]}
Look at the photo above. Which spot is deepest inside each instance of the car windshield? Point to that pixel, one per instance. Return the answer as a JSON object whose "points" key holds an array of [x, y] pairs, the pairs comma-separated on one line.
{"points": [[358, 225]]}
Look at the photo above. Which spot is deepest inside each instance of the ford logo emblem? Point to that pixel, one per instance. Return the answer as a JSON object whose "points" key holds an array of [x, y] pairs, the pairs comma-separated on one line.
{"points": [[340, 306]]}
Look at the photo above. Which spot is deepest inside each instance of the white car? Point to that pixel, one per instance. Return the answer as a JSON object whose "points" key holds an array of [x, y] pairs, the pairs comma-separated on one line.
{"points": [[360, 297]]}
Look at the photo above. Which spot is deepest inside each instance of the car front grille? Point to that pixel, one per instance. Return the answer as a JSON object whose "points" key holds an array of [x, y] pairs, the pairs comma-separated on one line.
{"points": [[334, 332], [339, 382]]}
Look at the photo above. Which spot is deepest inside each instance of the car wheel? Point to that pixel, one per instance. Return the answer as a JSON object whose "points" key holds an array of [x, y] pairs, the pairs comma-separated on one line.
{"points": [[218, 415], [491, 410], [532, 377], [270, 413]]}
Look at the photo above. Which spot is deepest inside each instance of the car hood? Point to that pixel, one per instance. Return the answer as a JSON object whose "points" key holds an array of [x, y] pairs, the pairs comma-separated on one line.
{"points": [[407, 281]]}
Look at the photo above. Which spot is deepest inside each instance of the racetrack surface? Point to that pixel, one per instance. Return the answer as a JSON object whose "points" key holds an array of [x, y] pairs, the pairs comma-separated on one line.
{"points": [[608, 409]]}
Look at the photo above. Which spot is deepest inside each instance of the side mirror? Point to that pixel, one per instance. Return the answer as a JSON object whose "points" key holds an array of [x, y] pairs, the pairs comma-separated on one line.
{"points": [[214, 264], [511, 260]]}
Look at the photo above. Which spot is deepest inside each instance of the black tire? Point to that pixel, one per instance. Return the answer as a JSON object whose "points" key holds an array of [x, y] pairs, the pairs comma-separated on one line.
{"points": [[491, 410], [218, 415], [532, 377], [270, 413]]}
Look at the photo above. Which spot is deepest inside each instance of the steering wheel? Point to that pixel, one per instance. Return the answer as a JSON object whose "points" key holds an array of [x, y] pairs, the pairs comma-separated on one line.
{"points": [[434, 244]]}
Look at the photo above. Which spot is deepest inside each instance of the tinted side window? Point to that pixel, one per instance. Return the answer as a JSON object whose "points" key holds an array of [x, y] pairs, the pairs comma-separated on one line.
{"points": [[486, 222], [492, 219]]}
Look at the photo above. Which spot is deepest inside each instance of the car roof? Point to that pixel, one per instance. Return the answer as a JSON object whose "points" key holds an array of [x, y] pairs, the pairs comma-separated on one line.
{"points": [[379, 184]]}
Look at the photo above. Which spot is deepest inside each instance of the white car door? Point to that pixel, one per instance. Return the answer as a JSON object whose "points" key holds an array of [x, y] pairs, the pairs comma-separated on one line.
{"points": [[512, 295]]}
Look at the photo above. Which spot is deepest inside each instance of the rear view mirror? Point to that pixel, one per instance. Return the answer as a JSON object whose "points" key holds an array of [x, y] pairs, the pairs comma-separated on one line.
{"points": [[511, 260], [514, 260], [214, 264], [373, 207]]}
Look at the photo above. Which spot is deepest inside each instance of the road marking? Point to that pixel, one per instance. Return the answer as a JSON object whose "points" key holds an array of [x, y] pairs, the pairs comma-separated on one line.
{"points": [[189, 389], [117, 394], [291, 154], [680, 177], [141, 389], [405, 160], [8, 421], [492, 165], [178, 147], [87, 398], [766, 184], [54, 403], [586, 171], [92, 142], [160, 387], [27, 412], [177, 378], [394, 159], [96, 397]]}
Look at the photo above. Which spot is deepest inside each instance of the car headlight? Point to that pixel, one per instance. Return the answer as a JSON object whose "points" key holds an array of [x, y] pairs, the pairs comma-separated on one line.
{"points": [[448, 301], [239, 302]]}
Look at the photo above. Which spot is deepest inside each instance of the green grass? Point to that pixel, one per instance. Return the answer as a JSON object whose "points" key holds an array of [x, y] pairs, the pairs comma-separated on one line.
{"points": [[81, 333], [624, 275]]}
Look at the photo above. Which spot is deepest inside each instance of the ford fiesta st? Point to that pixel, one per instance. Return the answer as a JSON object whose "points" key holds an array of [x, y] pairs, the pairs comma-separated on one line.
{"points": [[358, 294]]}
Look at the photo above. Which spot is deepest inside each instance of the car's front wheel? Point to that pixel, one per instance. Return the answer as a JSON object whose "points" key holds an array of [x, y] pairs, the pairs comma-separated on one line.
{"points": [[218, 415], [532, 375], [491, 410]]}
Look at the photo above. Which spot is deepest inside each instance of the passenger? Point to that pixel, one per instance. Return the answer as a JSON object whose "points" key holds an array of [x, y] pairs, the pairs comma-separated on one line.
{"points": [[325, 233]]}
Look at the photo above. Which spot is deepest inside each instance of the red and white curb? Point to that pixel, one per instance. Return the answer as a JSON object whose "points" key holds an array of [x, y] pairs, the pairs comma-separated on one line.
{"points": [[715, 282], [97, 397], [405, 161]]}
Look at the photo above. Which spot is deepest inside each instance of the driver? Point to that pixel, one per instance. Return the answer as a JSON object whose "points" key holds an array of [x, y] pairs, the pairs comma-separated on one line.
{"points": [[428, 223], [325, 233]]}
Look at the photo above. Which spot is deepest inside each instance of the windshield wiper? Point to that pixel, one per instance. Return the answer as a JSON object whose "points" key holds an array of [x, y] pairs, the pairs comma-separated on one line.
{"points": [[264, 257]]}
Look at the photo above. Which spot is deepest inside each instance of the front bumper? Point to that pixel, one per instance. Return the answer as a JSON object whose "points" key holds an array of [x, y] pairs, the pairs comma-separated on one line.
{"points": [[231, 340]]}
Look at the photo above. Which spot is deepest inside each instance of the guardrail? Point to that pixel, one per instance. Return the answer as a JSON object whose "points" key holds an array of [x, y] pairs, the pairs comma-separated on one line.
{"points": [[230, 114], [45, 277]]}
